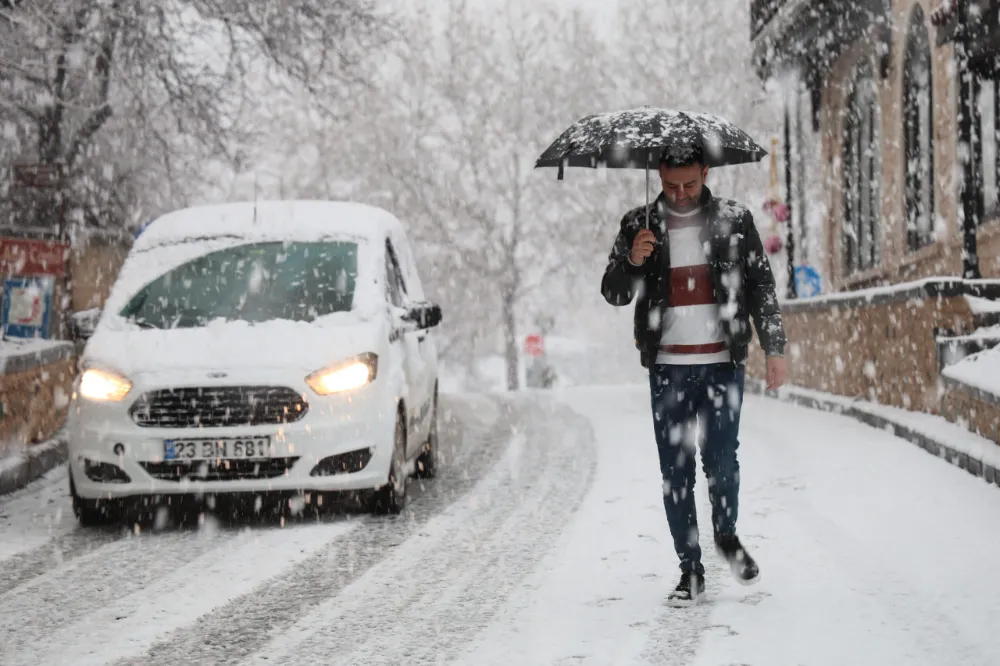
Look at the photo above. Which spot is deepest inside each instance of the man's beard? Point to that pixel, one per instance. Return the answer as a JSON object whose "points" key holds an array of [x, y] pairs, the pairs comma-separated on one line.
{"points": [[684, 206]]}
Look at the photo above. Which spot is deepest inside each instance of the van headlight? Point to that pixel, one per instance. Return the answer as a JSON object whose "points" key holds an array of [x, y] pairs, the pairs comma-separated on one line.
{"points": [[104, 385], [346, 376]]}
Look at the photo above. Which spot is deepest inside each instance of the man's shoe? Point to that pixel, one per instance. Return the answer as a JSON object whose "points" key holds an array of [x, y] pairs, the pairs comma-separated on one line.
{"points": [[688, 592], [744, 568]]}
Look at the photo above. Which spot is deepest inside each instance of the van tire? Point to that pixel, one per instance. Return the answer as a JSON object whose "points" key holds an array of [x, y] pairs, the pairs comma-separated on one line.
{"points": [[428, 460], [390, 498], [92, 513]]}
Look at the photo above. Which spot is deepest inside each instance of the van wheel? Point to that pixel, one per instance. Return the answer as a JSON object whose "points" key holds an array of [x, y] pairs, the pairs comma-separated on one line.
{"points": [[390, 499], [427, 462], [91, 513]]}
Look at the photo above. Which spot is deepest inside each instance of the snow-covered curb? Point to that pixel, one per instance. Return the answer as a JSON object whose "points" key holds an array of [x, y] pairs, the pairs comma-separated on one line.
{"points": [[21, 469], [936, 435], [24, 355], [934, 287]]}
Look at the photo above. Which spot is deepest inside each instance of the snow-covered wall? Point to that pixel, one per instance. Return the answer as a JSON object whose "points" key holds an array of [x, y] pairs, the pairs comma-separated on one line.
{"points": [[880, 344], [36, 377]]}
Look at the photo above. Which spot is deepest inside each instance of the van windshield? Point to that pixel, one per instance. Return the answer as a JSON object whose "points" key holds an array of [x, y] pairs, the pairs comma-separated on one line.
{"points": [[254, 283]]}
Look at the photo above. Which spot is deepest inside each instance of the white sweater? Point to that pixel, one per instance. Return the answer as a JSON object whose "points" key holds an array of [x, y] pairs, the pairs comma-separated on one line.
{"points": [[691, 331]]}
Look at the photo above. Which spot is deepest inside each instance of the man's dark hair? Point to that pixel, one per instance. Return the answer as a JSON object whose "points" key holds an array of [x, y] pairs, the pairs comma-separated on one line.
{"points": [[681, 156]]}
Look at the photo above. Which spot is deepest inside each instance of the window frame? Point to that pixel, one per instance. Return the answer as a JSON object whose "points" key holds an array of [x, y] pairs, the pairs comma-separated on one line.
{"points": [[861, 149], [918, 127]]}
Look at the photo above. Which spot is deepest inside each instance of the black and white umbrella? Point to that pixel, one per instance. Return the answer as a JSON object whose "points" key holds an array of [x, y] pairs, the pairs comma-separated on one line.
{"points": [[637, 138]]}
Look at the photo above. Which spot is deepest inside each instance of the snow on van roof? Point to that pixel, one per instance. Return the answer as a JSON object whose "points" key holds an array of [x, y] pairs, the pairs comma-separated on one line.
{"points": [[300, 220]]}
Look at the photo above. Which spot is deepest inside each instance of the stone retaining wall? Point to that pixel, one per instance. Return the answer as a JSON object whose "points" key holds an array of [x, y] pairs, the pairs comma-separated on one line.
{"points": [[35, 387], [977, 410], [879, 343]]}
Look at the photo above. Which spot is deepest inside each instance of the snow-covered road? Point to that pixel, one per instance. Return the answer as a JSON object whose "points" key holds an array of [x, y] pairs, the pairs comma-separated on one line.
{"points": [[543, 542]]}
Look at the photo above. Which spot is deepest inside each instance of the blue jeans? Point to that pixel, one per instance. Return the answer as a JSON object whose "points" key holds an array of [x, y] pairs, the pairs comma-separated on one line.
{"points": [[682, 397]]}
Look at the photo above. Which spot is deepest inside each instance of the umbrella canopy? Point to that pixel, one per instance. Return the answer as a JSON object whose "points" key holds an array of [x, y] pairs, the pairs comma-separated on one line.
{"points": [[637, 138]]}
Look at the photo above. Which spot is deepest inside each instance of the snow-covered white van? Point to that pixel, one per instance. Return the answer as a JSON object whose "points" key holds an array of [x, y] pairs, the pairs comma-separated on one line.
{"points": [[277, 347]]}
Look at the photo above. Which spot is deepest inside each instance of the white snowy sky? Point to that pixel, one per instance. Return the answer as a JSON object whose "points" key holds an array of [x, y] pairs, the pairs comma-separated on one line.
{"points": [[600, 9]]}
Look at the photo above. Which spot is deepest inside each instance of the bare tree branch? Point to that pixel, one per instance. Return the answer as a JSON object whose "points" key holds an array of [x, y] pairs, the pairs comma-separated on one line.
{"points": [[102, 68], [172, 84]]}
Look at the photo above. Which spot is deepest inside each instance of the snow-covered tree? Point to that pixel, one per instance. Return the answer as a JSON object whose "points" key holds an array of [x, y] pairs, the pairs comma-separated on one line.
{"points": [[447, 139], [126, 93]]}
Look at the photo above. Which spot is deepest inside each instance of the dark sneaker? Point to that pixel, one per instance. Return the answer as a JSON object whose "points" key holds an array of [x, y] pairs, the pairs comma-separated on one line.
{"points": [[689, 591], [744, 568]]}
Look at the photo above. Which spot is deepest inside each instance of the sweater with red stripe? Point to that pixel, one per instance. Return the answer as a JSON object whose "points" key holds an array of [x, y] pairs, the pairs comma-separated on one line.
{"points": [[692, 334]]}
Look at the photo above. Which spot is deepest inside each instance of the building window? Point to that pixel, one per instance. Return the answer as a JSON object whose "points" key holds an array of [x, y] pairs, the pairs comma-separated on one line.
{"points": [[861, 175], [986, 137], [918, 133], [796, 171]]}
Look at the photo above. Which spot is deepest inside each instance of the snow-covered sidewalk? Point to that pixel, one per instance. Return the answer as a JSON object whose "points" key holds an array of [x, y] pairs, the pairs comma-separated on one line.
{"points": [[872, 552], [944, 438]]}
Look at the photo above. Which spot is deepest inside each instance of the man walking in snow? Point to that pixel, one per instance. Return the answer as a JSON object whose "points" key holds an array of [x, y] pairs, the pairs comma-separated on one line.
{"points": [[699, 274]]}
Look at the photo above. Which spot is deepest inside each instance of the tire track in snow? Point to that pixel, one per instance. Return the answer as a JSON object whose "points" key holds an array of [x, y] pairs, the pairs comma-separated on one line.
{"points": [[58, 552], [424, 603], [130, 624], [471, 443], [90, 582]]}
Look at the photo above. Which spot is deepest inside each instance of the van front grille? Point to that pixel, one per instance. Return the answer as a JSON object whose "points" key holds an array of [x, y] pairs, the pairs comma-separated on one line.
{"points": [[218, 407]]}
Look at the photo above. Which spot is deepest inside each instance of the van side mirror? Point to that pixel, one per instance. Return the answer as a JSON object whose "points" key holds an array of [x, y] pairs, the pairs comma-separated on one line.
{"points": [[421, 316], [82, 324]]}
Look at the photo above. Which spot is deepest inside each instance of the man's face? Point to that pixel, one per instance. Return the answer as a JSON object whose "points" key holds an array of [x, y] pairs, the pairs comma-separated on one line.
{"points": [[682, 185]]}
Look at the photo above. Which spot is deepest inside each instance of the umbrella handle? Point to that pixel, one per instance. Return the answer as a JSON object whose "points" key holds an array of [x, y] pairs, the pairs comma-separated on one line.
{"points": [[647, 190]]}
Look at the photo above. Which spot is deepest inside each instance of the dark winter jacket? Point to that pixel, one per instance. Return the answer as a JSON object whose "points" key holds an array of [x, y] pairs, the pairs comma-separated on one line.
{"points": [[741, 276]]}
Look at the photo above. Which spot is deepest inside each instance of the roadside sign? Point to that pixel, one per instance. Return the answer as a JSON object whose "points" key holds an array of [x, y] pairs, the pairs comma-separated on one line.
{"points": [[807, 281], [534, 345], [21, 256], [27, 307]]}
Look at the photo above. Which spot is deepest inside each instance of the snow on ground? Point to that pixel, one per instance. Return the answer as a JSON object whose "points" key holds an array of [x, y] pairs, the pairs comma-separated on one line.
{"points": [[598, 596], [224, 567], [872, 551], [542, 542], [443, 586], [34, 516]]}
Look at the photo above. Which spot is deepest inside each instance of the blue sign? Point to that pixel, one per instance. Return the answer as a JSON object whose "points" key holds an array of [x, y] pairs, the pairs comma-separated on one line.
{"points": [[807, 281], [27, 307]]}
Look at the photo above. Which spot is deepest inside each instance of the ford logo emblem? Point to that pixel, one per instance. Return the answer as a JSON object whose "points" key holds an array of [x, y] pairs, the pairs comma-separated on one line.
{"points": [[218, 375]]}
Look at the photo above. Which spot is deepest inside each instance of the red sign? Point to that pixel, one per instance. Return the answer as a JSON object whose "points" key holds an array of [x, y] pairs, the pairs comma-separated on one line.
{"points": [[19, 256], [534, 345]]}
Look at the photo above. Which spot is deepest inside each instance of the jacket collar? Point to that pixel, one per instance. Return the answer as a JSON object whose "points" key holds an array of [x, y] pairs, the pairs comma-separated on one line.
{"points": [[707, 203]]}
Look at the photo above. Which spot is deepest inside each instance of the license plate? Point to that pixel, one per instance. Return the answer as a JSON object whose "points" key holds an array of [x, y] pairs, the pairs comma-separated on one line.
{"points": [[235, 448]]}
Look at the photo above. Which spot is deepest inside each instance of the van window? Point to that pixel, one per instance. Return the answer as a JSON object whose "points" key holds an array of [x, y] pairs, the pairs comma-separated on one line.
{"points": [[255, 283]]}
